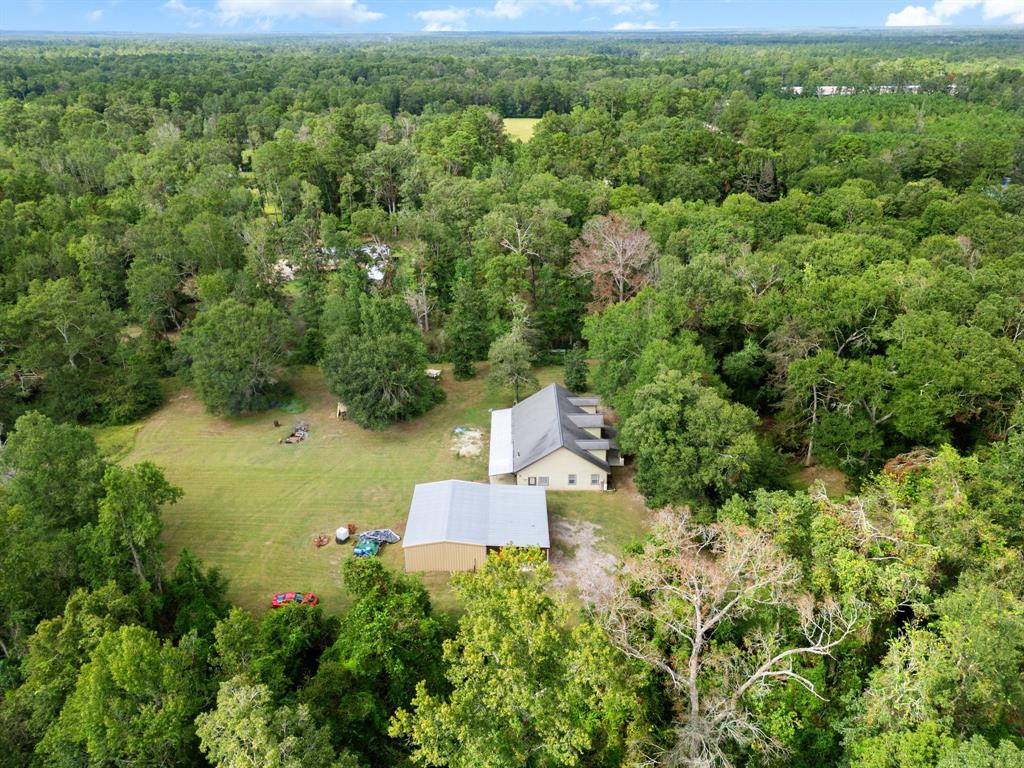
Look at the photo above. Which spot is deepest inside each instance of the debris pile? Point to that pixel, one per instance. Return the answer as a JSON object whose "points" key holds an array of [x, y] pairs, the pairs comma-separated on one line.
{"points": [[300, 433], [467, 442], [905, 463]]}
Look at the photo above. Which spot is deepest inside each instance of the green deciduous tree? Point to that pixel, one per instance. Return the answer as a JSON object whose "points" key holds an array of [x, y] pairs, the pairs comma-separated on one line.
{"points": [[688, 441], [56, 471], [526, 690], [511, 358], [964, 672], [389, 641], [377, 366], [153, 294], [246, 729], [57, 650], [237, 352], [134, 703], [59, 343], [126, 537]]}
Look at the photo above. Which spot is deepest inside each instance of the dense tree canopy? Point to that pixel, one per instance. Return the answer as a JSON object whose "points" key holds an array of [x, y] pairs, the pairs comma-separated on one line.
{"points": [[771, 284]]}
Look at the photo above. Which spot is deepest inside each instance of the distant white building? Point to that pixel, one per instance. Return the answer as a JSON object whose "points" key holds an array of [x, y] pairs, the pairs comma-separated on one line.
{"points": [[835, 90], [377, 257]]}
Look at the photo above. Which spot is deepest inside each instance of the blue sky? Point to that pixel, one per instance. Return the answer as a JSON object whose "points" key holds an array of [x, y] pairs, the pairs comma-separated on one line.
{"points": [[332, 16]]}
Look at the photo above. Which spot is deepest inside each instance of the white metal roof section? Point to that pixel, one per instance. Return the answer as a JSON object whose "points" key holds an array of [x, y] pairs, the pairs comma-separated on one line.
{"points": [[477, 513], [500, 462]]}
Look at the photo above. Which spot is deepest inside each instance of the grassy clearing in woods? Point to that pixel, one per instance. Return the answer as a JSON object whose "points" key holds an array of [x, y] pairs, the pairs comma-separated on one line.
{"points": [[252, 506], [521, 127]]}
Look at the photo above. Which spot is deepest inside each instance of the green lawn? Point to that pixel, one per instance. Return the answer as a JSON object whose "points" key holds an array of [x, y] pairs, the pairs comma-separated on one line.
{"points": [[252, 506], [521, 127]]}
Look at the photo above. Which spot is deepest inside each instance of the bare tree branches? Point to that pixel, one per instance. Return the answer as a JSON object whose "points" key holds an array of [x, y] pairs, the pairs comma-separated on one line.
{"points": [[673, 598], [618, 257]]}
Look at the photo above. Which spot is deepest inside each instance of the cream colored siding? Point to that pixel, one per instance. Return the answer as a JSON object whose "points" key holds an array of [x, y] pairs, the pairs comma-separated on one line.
{"points": [[444, 556], [589, 408], [599, 454], [557, 467], [595, 431]]}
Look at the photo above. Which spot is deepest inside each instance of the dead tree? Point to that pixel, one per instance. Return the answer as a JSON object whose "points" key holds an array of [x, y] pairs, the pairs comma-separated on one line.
{"points": [[672, 599], [618, 257]]}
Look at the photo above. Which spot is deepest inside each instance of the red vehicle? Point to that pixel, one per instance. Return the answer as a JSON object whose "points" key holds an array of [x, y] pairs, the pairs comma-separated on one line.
{"points": [[293, 598]]}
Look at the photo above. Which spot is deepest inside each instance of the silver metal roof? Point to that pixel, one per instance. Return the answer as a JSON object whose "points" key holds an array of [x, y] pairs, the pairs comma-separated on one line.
{"points": [[475, 513]]}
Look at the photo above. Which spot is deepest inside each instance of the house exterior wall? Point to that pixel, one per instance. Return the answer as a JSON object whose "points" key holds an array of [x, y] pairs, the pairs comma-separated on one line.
{"points": [[557, 466], [595, 431], [446, 556]]}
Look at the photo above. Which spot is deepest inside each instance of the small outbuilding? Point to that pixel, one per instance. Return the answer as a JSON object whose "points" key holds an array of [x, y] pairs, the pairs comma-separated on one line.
{"points": [[453, 524]]}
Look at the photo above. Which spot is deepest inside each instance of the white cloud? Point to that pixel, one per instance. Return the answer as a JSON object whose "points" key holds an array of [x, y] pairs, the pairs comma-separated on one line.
{"points": [[450, 19], [506, 9], [622, 7], [629, 26], [263, 12], [95, 15], [513, 9], [913, 16], [1010, 9], [947, 8], [944, 11], [194, 16]]}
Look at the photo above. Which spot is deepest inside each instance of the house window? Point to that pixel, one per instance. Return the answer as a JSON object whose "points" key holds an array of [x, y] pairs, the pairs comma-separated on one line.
{"points": [[542, 481], [531, 481], [572, 479], [595, 479]]}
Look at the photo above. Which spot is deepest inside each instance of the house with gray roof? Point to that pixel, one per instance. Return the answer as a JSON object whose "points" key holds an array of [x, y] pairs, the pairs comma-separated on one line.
{"points": [[453, 524], [553, 439]]}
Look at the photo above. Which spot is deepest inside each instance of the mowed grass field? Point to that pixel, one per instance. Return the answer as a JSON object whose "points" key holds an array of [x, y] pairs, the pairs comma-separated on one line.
{"points": [[252, 506], [521, 127]]}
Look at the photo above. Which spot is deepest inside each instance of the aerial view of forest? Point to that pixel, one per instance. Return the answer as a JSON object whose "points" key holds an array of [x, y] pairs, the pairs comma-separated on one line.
{"points": [[256, 288]]}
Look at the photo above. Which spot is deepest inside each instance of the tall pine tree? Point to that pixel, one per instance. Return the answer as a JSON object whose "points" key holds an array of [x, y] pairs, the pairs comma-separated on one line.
{"points": [[468, 335]]}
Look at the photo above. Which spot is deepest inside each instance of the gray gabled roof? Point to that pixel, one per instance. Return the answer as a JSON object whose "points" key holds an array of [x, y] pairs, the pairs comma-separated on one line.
{"points": [[475, 513], [545, 422]]}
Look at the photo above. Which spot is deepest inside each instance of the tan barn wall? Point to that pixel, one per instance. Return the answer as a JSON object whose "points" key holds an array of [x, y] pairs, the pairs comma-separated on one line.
{"points": [[557, 467], [444, 556]]}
